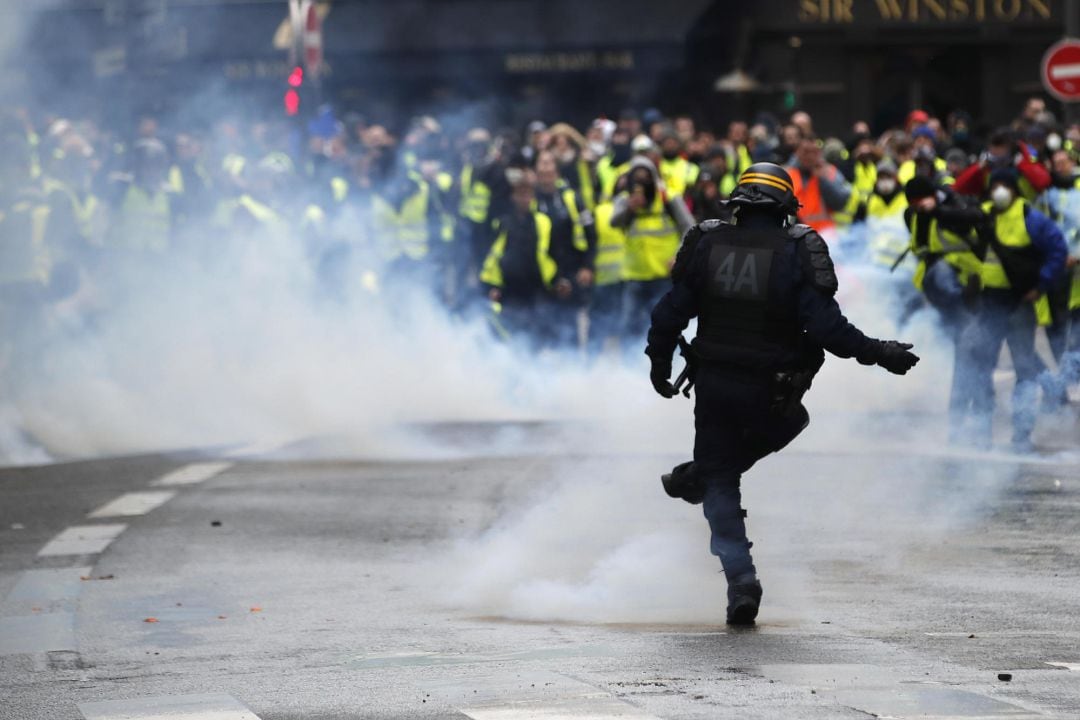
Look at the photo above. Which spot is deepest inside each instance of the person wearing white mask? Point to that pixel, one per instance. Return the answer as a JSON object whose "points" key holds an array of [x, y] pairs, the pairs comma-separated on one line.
{"points": [[1023, 257]]}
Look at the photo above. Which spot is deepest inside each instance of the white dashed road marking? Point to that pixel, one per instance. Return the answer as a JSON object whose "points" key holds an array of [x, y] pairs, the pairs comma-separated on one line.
{"points": [[192, 474], [49, 585], [37, 633], [82, 540], [134, 503], [178, 707], [533, 695], [1075, 667]]}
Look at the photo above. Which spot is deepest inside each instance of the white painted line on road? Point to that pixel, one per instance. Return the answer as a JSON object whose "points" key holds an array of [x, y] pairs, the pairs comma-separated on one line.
{"points": [[48, 585], [529, 693], [192, 474], [37, 633], [597, 708], [1075, 667], [134, 503], [175, 707], [256, 449], [82, 540]]}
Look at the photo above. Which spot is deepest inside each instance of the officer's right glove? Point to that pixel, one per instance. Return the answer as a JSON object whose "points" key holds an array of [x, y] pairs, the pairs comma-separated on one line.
{"points": [[896, 357], [660, 375]]}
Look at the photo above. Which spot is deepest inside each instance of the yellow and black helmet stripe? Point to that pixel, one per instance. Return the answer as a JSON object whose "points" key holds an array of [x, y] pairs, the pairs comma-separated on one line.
{"points": [[778, 183]]}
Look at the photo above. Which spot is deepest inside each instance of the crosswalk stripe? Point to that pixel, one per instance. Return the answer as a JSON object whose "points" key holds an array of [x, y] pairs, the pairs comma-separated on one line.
{"points": [[169, 707], [37, 633], [82, 540], [192, 474], [134, 503]]}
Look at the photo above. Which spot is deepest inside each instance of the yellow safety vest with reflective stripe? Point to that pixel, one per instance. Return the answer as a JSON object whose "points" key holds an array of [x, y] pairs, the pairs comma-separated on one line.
{"points": [[678, 175], [652, 240], [85, 209], [1074, 294], [24, 256], [405, 231], [886, 234], [475, 197], [585, 184], [1010, 228], [143, 221], [609, 175], [491, 272], [865, 177], [445, 183], [876, 206], [950, 246], [233, 164], [225, 213], [907, 170], [569, 198], [743, 159], [610, 247]]}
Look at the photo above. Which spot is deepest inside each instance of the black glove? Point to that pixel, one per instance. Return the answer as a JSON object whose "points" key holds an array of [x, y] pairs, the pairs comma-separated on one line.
{"points": [[892, 355], [660, 375]]}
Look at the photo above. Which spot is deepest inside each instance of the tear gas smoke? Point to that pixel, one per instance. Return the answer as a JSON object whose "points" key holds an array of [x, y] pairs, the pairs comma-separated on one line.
{"points": [[233, 339]]}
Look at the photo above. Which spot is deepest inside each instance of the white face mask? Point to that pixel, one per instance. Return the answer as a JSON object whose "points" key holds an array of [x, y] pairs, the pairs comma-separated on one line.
{"points": [[1001, 196], [599, 149], [886, 186], [1053, 142]]}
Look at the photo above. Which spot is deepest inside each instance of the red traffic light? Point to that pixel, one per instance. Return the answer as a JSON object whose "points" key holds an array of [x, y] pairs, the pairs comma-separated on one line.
{"points": [[296, 77], [292, 102]]}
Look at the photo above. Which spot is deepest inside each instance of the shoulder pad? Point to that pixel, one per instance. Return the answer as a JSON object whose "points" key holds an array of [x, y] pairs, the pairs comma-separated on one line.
{"points": [[689, 246], [708, 225], [817, 265], [800, 231]]}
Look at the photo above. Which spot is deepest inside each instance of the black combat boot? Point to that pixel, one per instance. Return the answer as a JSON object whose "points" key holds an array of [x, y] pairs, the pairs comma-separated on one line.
{"points": [[744, 598], [683, 483]]}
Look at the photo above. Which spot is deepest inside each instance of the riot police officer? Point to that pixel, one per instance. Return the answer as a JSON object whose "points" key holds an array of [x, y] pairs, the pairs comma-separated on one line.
{"points": [[763, 292]]}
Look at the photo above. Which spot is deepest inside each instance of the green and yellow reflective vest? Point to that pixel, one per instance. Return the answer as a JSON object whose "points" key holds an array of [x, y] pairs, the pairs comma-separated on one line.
{"points": [[491, 273]]}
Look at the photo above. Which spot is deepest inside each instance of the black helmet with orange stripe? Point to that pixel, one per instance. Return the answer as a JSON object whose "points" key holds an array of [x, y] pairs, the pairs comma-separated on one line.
{"points": [[767, 186]]}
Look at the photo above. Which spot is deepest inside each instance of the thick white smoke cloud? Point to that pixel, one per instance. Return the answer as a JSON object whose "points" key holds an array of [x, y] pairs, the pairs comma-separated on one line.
{"points": [[602, 543]]}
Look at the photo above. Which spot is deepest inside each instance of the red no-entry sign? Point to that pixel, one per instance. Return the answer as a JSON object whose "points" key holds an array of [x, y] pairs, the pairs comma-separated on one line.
{"points": [[1061, 70]]}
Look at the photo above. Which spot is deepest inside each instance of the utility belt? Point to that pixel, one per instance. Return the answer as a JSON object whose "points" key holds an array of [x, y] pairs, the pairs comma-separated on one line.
{"points": [[786, 387]]}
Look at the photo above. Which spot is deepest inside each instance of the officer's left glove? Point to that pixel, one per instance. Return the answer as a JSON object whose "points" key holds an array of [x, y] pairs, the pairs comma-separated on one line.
{"points": [[896, 357], [660, 376]]}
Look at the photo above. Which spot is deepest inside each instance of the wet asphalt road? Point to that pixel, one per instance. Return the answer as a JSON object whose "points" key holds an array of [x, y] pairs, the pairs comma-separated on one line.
{"points": [[897, 585]]}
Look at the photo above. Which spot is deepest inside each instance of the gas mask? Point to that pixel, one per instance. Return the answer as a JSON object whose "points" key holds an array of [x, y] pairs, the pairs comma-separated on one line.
{"points": [[1001, 196], [886, 186]]}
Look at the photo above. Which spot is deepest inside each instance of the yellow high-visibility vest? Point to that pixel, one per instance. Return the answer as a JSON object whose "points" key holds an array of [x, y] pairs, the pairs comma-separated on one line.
{"points": [[143, 221], [1011, 231], [610, 247], [491, 272], [23, 255], [652, 241], [945, 243], [475, 197], [405, 231], [678, 175]]}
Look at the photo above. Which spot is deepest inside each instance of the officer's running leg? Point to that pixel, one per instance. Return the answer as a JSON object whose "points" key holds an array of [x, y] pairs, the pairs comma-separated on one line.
{"points": [[721, 455]]}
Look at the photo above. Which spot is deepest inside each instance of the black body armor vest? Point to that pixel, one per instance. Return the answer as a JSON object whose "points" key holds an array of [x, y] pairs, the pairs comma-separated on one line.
{"points": [[747, 311]]}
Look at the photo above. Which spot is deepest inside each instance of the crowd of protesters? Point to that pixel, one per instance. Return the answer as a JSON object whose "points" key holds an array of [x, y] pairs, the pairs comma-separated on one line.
{"points": [[564, 237]]}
